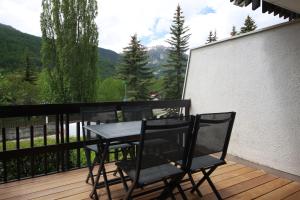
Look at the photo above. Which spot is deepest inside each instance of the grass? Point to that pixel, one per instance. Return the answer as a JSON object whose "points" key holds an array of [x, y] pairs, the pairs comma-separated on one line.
{"points": [[24, 162]]}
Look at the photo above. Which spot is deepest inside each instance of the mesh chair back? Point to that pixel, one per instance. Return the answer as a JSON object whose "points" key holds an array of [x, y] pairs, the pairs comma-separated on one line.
{"points": [[96, 115], [163, 141], [213, 133], [135, 113]]}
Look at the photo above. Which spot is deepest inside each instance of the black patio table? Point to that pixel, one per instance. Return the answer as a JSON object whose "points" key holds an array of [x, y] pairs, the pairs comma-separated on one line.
{"points": [[112, 132]]}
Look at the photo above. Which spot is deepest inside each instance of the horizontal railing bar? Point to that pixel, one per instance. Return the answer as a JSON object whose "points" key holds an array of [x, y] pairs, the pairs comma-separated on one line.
{"points": [[52, 109], [43, 149]]}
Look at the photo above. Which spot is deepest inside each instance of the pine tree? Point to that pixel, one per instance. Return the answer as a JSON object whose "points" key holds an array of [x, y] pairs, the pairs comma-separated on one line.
{"points": [[215, 38], [233, 32], [174, 69], [133, 70], [69, 48], [249, 25], [29, 72], [210, 37]]}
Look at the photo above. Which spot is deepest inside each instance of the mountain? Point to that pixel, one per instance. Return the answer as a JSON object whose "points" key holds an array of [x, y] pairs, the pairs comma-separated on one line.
{"points": [[108, 61], [13, 44], [157, 57]]}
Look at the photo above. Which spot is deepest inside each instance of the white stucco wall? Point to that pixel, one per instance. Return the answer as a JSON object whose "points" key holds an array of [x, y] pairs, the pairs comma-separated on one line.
{"points": [[258, 76]]}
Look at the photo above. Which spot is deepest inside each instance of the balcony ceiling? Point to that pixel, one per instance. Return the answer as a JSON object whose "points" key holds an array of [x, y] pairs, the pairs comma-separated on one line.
{"points": [[292, 5], [284, 8]]}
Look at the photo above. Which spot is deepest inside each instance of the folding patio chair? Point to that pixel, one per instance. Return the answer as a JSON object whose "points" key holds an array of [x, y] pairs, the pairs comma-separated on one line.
{"points": [[135, 112], [209, 148], [156, 162], [97, 115]]}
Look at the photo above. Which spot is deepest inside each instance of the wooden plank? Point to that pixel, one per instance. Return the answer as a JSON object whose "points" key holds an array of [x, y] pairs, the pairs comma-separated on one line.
{"points": [[262, 189], [56, 176], [295, 196], [282, 192], [63, 179], [243, 186], [234, 181], [219, 177], [50, 188]]}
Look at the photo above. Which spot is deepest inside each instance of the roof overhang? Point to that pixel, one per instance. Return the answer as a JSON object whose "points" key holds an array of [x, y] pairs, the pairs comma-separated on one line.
{"points": [[283, 8]]}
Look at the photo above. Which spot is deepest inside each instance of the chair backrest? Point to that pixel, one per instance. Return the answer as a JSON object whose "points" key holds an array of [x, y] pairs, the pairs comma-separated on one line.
{"points": [[135, 113], [163, 141], [211, 134], [96, 115]]}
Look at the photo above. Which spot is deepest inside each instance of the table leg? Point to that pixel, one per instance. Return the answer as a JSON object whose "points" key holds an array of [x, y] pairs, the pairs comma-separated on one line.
{"points": [[94, 194]]}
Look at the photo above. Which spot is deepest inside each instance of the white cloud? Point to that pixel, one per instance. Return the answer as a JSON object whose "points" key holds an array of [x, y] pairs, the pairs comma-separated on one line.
{"points": [[23, 15], [118, 19]]}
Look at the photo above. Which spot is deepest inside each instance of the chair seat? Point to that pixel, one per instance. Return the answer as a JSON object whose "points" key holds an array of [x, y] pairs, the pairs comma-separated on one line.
{"points": [[94, 147], [205, 162], [150, 174]]}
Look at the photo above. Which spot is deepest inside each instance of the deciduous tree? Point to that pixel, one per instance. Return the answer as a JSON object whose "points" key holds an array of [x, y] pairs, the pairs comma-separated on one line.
{"points": [[69, 48]]}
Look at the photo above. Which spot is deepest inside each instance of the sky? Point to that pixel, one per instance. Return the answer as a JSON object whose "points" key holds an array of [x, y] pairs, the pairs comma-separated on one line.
{"points": [[117, 20]]}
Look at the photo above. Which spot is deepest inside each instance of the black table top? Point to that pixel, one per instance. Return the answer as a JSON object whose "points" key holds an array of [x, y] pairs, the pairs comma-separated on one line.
{"points": [[116, 130], [124, 130]]}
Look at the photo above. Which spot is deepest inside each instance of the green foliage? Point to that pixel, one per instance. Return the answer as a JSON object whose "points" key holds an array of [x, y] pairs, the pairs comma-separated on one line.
{"points": [[14, 90], [110, 89], [13, 43], [44, 89], [249, 25], [174, 70], [133, 70], [29, 71], [233, 32], [69, 48]]}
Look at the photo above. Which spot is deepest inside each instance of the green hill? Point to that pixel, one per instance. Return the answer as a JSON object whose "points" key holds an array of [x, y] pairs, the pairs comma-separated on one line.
{"points": [[14, 43]]}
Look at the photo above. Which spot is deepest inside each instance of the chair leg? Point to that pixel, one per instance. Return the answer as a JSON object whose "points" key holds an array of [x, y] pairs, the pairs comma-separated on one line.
{"points": [[128, 195], [213, 187], [204, 177], [124, 152], [172, 184], [170, 192], [106, 183], [131, 152], [89, 165], [123, 179], [181, 192], [194, 184]]}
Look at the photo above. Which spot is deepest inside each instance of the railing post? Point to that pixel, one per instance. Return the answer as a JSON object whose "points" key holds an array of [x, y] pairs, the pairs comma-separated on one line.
{"points": [[57, 141], [32, 155], [4, 160], [67, 141], [62, 141], [18, 147], [45, 154], [78, 140]]}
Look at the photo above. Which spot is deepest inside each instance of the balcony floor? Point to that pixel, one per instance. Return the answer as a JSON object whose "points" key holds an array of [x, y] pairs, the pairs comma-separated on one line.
{"points": [[234, 181]]}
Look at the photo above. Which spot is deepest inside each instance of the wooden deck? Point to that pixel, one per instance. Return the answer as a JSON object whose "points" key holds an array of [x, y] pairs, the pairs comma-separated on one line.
{"points": [[234, 181]]}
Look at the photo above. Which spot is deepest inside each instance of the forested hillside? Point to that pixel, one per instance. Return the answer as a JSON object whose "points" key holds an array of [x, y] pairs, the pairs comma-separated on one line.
{"points": [[14, 45]]}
